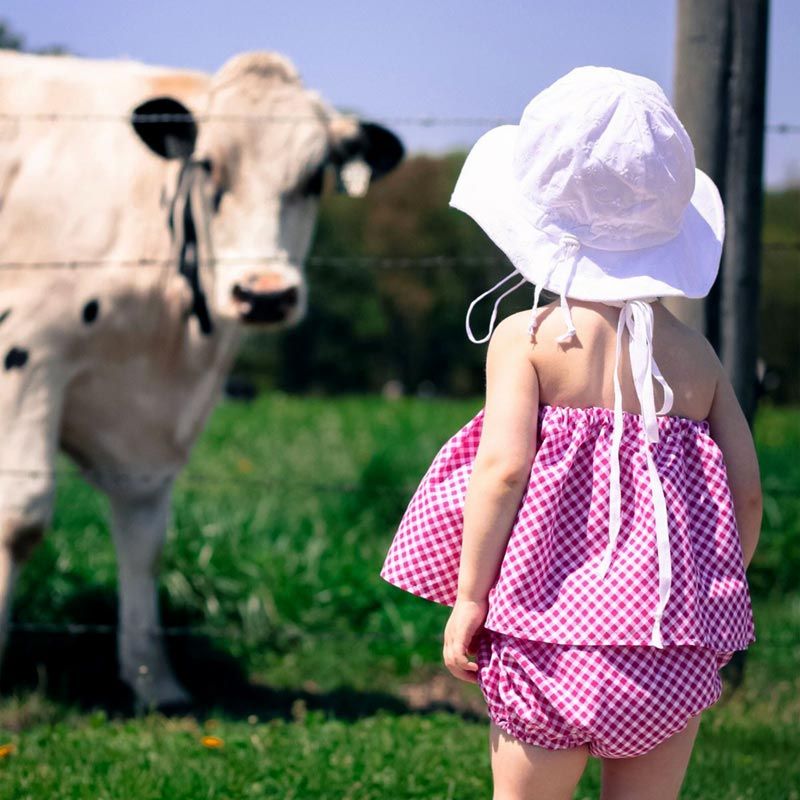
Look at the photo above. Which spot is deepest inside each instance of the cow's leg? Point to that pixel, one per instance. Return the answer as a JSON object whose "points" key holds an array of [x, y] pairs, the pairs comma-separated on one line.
{"points": [[19, 534], [31, 393], [139, 526]]}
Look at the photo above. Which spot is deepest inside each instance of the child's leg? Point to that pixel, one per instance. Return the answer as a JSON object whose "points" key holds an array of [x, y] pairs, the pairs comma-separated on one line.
{"points": [[524, 772], [656, 775]]}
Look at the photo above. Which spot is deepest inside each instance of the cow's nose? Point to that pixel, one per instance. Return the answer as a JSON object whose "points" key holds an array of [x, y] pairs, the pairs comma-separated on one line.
{"points": [[255, 306], [264, 282]]}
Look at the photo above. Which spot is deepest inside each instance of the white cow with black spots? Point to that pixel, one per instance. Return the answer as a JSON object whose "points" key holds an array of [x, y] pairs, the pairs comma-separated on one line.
{"points": [[186, 203]]}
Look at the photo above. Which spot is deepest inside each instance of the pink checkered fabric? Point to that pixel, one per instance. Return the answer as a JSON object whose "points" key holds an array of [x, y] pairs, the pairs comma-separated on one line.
{"points": [[548, 588], [621, 701]]}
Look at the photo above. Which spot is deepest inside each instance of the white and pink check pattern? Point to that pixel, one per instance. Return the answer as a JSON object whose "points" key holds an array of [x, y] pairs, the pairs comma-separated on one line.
{"points": [[621, 701], [548, 588]]}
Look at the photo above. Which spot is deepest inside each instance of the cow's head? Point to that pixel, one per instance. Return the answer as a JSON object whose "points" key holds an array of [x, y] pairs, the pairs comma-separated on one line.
{"points": [[261, 150]]}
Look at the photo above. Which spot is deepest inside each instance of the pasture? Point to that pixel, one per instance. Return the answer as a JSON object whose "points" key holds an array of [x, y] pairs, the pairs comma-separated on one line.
{"points": [[315, 679]]}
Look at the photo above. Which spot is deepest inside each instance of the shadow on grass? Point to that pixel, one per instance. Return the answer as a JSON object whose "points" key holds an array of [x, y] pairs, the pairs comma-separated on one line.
{"points": [[80, 670]]}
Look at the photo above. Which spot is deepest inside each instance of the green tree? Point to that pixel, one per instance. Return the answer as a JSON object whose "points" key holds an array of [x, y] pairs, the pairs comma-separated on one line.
{"points": [[10, 40], [376, 321], [385, 320]]}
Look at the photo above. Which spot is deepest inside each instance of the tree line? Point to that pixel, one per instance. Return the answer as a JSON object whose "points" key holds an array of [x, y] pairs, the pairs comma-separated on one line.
{"points": [[372, 324]]}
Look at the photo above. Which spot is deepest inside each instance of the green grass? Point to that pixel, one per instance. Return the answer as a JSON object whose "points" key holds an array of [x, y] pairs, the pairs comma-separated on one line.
{"points": [[747, 747], [280, 526], [775, 568], [308, 757], [264, 547]]}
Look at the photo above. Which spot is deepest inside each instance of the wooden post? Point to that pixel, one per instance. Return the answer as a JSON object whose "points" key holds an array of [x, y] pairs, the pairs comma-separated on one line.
{"points": [[741, 265], [720, 86], [719, 94], [700, 98]]}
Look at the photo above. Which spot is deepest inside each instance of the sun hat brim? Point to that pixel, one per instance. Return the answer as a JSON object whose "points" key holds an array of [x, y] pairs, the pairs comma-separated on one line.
{"points": [[686, 265]]}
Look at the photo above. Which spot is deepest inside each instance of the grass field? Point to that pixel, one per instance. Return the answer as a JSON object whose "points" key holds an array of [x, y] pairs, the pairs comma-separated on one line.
{"points": [[320, 680]]}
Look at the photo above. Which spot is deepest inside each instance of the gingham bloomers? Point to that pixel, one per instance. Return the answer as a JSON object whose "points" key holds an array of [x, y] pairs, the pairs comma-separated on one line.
{"points": [[549, 587]]}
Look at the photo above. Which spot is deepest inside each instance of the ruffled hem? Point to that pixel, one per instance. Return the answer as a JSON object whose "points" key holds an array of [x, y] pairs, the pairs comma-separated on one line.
{"points": [[715, 645], [723, 646]]}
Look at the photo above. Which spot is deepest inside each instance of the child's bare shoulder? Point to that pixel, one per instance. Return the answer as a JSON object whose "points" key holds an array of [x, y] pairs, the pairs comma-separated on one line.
{"points": [[683, 341], [513, 329], [511, 340]]}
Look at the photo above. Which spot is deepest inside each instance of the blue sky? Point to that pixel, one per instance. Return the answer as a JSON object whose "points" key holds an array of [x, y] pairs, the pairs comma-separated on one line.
{"points": [[437, 58]]}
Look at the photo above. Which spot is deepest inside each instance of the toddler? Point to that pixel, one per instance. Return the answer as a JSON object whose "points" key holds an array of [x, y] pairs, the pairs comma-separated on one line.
{"points": [[592, 525]]}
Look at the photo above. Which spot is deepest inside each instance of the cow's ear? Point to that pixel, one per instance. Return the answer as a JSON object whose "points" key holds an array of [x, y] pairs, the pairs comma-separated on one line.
{"points": [[362, 152], [382, 150], [166, 126]]}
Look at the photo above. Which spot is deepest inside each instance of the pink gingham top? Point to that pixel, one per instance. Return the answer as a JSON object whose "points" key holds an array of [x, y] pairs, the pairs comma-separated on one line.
{"points": [[553, 585]]}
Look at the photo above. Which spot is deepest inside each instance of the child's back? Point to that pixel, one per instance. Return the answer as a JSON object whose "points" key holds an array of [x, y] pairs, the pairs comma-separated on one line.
{"points": [[581, 374]]}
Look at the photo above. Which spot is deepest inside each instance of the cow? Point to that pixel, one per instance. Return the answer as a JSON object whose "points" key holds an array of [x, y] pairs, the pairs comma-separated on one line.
{"points": [[147, 217]]}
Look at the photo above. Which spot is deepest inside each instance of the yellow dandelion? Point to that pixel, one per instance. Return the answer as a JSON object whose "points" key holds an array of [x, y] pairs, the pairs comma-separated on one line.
{"points": [[7, 750], [244, 465], [212, 742]]}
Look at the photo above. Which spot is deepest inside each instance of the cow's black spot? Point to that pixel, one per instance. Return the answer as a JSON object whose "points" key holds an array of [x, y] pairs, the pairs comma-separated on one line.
{"points": [[91, 311], [16, 357], [4, 315]]}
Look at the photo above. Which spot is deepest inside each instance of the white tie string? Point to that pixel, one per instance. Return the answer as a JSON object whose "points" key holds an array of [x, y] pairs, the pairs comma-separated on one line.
{"points": [[637, 317], [568, 248], [571, 247]]}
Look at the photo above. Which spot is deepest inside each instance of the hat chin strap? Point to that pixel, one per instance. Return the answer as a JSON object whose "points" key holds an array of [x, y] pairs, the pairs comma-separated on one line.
{"points": [[470, 334], [567, 250]]}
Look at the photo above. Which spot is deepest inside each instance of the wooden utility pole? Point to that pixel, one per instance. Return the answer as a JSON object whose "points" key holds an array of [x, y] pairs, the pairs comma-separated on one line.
{"points": [[700, 97], [720, 85], [741, 264]]}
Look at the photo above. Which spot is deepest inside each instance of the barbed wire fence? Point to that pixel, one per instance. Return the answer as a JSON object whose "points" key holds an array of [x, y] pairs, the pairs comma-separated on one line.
{"points": [[355, 262], [8, 127], [373, 262], [418, 120]]}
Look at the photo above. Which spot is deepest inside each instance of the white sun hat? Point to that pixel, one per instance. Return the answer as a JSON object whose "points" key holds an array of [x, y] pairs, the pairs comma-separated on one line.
{"points": [[595, 196]]}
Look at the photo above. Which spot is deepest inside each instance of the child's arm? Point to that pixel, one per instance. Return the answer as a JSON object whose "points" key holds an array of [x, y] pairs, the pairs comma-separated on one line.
{"points": [[730, 431], [499, 478]]}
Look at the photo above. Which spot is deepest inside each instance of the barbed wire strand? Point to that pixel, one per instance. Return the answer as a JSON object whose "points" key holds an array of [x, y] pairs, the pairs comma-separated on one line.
{"points": [[242, 481], [232, 634], [210, 631], [377, 262], [362, 262], [418, 120], [205, 480]]}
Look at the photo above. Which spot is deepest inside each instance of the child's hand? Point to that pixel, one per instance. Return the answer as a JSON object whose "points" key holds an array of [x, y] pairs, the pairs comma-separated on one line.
{"points": [[460, 638]]}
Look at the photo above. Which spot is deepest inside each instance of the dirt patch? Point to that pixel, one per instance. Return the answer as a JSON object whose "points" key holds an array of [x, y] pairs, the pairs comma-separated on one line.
{"points": [[445, 693]]}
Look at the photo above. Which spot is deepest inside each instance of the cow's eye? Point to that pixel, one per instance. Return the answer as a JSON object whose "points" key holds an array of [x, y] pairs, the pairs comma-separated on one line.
{"points": [[216, 198], [217, 183]]}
